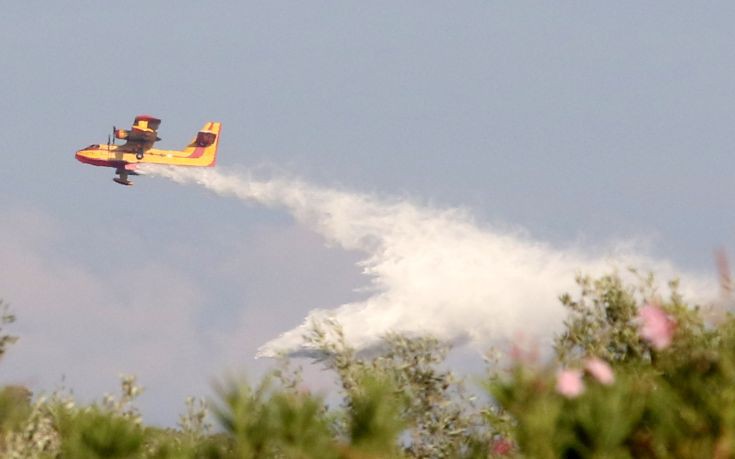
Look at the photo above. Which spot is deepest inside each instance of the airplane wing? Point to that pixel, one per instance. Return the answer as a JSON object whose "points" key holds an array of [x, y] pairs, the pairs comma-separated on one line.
{"points": [[141, 137]]}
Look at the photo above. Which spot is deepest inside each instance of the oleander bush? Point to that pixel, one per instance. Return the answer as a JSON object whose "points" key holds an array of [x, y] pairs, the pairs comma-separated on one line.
{"points": [[634, 373]]}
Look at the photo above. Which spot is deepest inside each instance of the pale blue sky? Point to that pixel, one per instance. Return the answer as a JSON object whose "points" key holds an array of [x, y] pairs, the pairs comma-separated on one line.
{"points": [[585, 121]]}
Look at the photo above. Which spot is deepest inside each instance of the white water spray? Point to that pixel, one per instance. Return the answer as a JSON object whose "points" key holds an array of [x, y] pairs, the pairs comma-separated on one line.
{"points": [[432, 271]]}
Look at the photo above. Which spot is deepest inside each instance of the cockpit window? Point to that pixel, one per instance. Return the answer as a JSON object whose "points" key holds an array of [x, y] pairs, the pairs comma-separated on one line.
{"points": [[94, 146]]}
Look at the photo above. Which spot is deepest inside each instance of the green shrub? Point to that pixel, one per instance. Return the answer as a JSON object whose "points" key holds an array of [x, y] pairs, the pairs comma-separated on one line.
{"points": [[634, 374], [94, 433], [672, 395]]}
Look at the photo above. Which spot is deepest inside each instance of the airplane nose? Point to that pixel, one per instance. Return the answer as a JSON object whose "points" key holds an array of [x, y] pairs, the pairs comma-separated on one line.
{"points": [[81, 155]]}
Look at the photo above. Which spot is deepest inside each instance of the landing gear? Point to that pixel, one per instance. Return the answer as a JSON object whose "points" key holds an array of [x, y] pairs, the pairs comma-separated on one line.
{"points": [[122, 178], [139, 155], [122, 182]]}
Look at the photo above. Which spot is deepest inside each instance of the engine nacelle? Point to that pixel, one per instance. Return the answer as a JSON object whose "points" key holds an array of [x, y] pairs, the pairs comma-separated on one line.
{"points": [[205, 138]]}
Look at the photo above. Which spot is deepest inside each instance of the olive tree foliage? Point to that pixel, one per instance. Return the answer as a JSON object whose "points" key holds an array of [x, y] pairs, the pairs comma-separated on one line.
{"points": [[6, 318], [603, 319], [56, 425], [398, 403], [611, 389], [439, 416]]}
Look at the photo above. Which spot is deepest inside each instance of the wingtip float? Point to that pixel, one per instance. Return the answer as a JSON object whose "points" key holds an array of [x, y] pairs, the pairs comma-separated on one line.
{"points": [[138, 149]]}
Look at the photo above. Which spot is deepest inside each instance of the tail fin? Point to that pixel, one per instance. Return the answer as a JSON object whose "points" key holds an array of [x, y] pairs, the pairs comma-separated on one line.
{"points": [[203, 148]]}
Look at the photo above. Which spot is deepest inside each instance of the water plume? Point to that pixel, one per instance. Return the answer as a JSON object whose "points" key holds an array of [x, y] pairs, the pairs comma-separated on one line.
{"points": [[430, 270]]}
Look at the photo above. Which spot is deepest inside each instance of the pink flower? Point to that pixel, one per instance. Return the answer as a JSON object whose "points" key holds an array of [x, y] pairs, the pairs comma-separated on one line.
{"points": [[501, 446], [569, 383], [600, 370], [657, 327], [524, 351]]}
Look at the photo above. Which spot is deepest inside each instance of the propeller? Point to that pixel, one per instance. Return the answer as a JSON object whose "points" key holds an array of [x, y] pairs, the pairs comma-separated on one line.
{"points": [[114, 131]]}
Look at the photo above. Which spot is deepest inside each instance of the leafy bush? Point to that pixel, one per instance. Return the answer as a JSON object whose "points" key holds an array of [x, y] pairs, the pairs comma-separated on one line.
{"points": [[667, 389], [633, 374]]}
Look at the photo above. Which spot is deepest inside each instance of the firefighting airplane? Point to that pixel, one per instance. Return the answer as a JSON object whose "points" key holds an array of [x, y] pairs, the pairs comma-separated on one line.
{"points": [[138, 149]]}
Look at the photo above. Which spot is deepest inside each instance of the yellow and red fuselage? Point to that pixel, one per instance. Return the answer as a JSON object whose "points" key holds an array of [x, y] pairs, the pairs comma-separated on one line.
{"points": [[201, 152]]}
